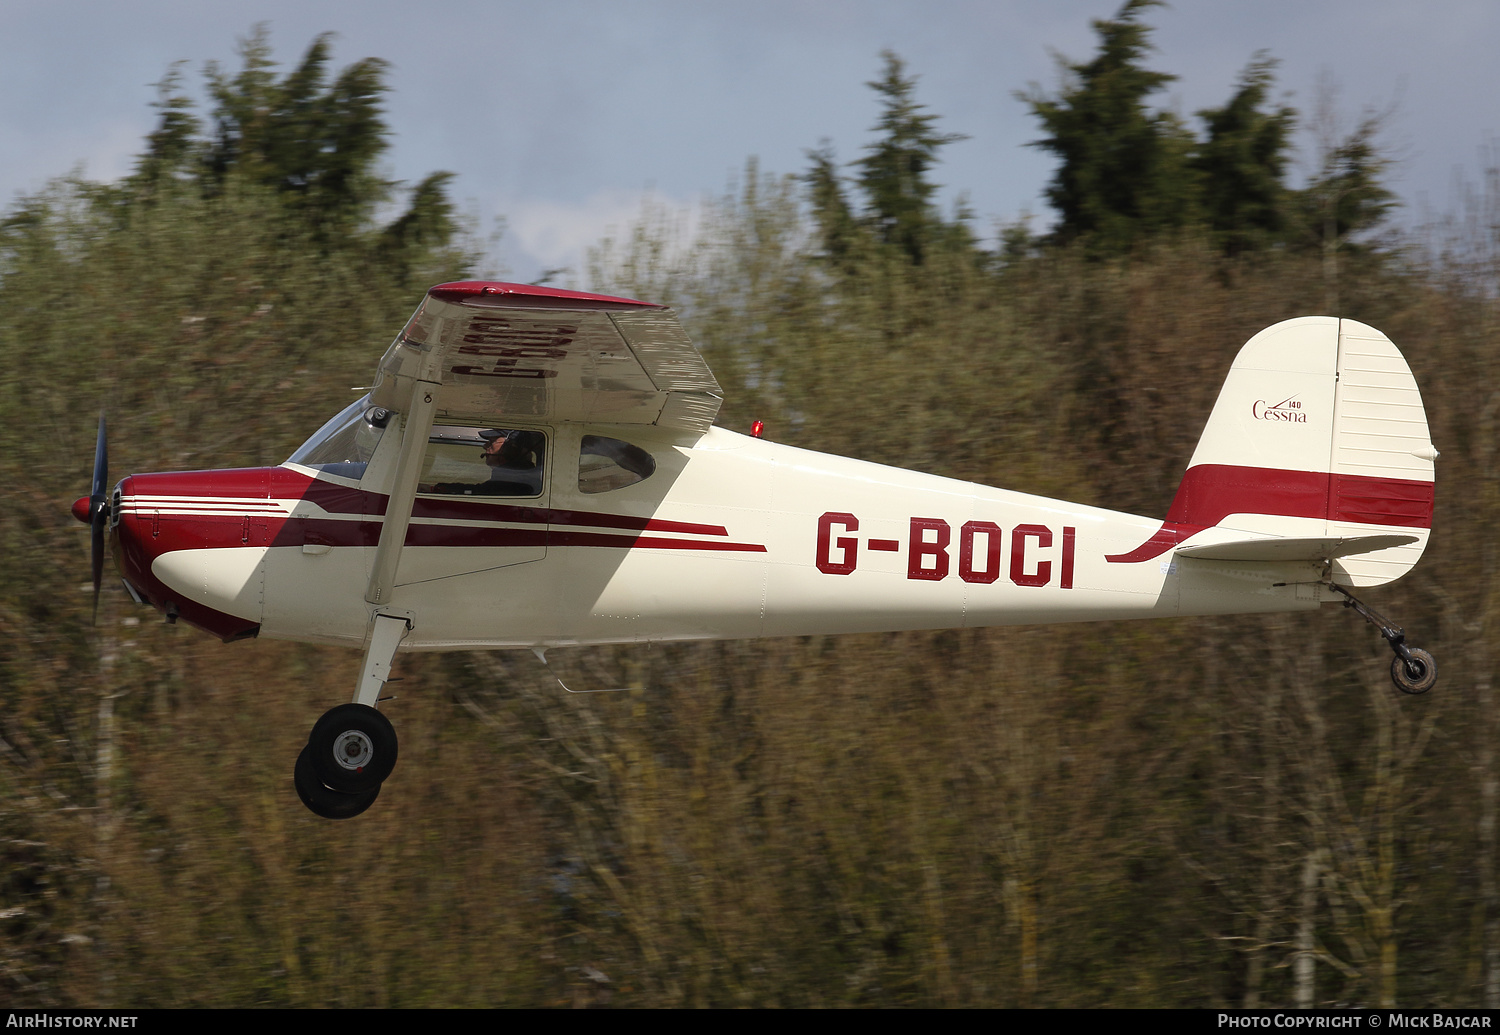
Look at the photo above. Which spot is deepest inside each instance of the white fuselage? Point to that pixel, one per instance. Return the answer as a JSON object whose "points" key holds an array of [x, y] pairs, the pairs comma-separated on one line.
{"points": [[732, 537]]}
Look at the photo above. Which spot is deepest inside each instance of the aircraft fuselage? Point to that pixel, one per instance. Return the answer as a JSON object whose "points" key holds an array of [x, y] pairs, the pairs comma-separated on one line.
{"points": [[731, 537]]}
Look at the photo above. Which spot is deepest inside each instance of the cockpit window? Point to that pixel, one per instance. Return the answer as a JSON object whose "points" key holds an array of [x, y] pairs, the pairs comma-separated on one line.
{"points": [[344, 445], [463, 461], [609, 463]]}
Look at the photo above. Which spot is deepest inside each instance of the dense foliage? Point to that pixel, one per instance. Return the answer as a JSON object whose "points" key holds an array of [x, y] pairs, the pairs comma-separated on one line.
{"points": [[1126, 173], [1204, 812]]}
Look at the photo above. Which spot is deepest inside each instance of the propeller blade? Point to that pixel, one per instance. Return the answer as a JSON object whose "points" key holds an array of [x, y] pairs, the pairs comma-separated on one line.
{"points": [[96, 557], [101, 462], [99, 513]]}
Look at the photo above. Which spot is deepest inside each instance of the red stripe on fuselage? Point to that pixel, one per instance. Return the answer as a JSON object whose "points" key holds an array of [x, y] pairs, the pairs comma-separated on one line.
{"points": [[631, 542], [201, 528], [1211, 492], [466, 510], [194, 510], [341, 499], [1165, 537]]}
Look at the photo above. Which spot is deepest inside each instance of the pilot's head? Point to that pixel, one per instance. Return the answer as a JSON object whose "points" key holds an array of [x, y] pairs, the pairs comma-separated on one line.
{"points": [[502, 447]]}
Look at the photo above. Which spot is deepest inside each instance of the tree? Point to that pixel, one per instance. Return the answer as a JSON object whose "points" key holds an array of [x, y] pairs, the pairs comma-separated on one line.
{"points": [[837, 225], [428, 225], [1124, 169], [313, 141], [1346, 197], [171, 147], [893, 172], [312, 138], [1241, 164]]}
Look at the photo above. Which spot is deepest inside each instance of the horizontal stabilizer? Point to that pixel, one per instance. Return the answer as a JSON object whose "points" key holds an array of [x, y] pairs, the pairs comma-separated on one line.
{"points": [[1287, 549]]}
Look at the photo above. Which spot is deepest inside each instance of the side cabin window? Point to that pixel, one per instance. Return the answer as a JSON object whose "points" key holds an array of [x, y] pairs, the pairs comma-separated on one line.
{"points": [[465, 461], [609, 463], [344, 445]]}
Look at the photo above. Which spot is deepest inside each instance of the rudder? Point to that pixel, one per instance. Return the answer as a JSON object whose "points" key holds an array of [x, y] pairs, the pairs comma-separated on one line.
{"points": [[1382, 461]]}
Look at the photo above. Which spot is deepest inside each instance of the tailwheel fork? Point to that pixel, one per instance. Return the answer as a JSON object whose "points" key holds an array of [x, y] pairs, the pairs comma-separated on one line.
{"points": [[1413, 670]]}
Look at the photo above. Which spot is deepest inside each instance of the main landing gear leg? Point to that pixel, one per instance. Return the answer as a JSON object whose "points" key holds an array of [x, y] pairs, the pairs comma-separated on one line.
{"points": [[1413, 670], [352, 748]]}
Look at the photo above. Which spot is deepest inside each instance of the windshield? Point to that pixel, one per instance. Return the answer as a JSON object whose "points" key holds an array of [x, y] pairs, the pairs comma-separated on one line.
{"points": [[344, 445]]}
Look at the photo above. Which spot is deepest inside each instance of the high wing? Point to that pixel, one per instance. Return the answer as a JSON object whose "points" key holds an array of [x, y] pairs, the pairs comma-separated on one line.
{"points": [[477, 352], [493, 351]]}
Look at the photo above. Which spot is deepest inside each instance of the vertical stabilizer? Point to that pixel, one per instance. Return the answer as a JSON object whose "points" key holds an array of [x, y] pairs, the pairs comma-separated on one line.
{"points": [[1318, 434]]}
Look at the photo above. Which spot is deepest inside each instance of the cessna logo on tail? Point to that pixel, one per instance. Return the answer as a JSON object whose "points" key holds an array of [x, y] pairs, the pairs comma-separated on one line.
{"points": [[1288, 409]]}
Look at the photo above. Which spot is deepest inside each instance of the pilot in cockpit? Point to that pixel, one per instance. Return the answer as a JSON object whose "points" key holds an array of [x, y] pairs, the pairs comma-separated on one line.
{"points": [[503, 448], [514, 458]]}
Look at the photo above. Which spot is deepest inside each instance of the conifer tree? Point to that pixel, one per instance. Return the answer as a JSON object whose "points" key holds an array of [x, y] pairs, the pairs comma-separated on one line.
{"points": [[893, 172], [315, 142], [313, 138], [172, 146], [1241, 165], [1124, 169], [1347, 197], [837, 226]]}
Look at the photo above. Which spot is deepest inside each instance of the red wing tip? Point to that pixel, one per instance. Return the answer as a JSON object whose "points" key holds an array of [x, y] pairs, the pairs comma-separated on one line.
{"points": [[528, 296]]}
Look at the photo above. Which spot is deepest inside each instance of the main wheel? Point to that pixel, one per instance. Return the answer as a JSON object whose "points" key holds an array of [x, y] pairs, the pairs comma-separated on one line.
{"points": [[1416, 676], [325, 801], [352, 748]]}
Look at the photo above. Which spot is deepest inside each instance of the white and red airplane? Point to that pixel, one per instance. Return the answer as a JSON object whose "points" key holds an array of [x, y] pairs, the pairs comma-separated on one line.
{"points": [[536, 468]]}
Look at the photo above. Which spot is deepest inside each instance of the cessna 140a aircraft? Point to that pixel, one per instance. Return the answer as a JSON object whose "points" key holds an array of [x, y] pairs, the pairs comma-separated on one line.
{"points": [[536, 468]]}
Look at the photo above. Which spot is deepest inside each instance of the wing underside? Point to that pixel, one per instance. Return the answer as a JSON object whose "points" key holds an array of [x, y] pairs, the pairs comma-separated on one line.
{"points": [[1296, 549]]}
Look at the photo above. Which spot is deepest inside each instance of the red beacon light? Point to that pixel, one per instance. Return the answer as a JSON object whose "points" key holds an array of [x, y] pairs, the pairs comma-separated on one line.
{"points": [[757, 428]]}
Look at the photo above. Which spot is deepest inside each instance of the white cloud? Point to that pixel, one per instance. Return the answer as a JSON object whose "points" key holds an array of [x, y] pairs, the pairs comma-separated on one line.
{"points": [[546, 235]]}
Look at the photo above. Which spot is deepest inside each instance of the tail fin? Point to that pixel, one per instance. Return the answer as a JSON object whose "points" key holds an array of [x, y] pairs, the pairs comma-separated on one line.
{"points": [[1318, 434]]}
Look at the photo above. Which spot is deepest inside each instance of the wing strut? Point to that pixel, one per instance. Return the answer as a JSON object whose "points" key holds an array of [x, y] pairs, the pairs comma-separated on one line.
{"points": [[416, 427]]}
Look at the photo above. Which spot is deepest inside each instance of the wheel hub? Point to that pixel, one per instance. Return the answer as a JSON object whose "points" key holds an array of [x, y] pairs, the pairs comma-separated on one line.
{"points": [[353, 750]]}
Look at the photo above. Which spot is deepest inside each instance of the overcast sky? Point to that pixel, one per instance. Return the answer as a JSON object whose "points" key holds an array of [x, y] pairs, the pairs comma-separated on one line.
{"points": [[560, 116]]}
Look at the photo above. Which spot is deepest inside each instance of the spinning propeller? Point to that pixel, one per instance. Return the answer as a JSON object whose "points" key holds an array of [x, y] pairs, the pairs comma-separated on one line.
{"points": [[93, 510]]}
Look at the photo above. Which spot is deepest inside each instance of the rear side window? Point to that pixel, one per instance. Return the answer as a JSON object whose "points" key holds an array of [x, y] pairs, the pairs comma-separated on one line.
{"points": [[610, 463]]}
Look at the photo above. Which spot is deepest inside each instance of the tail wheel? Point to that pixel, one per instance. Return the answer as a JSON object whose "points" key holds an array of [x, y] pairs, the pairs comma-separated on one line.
{"points": [[325, 801], [1414, 675], [352, 748]]}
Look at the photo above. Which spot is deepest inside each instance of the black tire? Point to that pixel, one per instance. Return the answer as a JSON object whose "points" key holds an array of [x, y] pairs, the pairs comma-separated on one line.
{"points": [[1416, 676], [325, 801], [352, 748]]}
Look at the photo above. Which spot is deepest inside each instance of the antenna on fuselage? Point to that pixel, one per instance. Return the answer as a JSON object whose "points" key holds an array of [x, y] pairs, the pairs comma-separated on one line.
{"points": [[541, 655]]}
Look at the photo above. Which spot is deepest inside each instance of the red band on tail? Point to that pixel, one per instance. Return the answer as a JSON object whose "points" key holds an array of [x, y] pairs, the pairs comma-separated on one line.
{"points": [[1211, 492]]}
